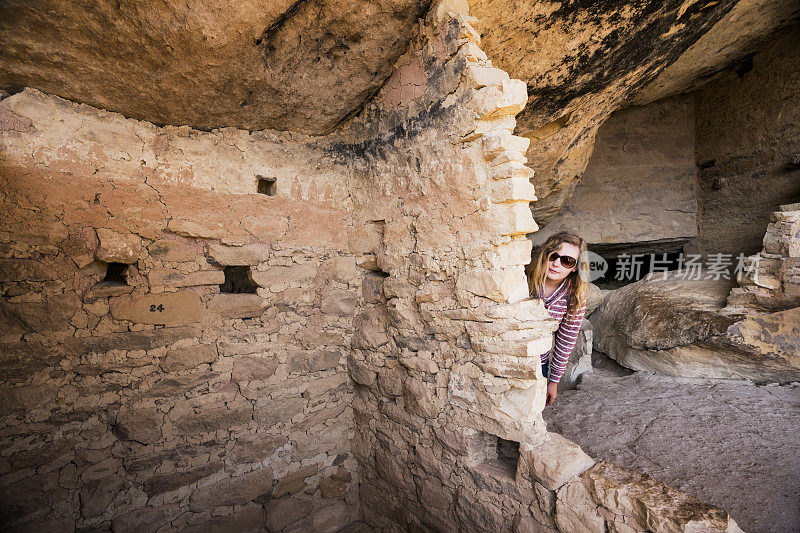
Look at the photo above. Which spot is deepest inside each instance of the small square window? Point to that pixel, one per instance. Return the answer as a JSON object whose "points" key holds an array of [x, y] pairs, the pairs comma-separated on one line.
{"points": [[116, 273], [237, 280], [268, 186]]}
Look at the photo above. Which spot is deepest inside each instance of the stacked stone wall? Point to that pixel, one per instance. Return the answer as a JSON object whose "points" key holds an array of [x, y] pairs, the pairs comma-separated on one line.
{"points": [[448, 386], [158, 396]]}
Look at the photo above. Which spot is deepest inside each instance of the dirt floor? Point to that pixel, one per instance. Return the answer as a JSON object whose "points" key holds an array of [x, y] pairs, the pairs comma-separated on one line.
{"points": [[730, 443]]}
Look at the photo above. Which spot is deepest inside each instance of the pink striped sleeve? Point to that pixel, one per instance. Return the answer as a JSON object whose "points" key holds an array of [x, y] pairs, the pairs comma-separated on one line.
{"points": [[566, 337]]}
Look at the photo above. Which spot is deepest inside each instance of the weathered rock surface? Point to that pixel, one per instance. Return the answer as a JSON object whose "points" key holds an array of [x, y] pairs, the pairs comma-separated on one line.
{"points": [[580, 62], [675, 326], [745, 28], [247, 65], [730, 443], [638, 190], [748, 138]]}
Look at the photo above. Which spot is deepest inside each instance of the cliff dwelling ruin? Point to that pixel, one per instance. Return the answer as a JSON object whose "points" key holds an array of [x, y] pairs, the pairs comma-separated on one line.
{"points": [[262, 265]]}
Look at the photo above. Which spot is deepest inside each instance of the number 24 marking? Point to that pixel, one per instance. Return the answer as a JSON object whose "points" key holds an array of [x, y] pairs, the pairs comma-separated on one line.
{"points": [[154, 308]]}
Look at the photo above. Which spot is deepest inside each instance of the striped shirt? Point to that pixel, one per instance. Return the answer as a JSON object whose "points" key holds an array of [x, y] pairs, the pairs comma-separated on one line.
{"points": [[568, 329]]}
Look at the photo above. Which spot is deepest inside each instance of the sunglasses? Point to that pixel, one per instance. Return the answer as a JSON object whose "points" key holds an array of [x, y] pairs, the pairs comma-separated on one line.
{"points": [[566, 260]]}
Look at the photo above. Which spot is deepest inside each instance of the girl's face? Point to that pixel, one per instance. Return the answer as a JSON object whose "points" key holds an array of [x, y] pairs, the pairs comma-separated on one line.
{"points": [[556, 270]]}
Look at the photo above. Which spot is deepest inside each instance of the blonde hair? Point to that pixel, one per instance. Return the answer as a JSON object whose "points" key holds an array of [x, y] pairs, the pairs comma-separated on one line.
{"points": [[537, 270]]}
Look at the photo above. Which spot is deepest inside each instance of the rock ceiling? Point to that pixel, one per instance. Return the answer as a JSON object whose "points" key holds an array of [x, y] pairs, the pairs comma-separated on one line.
{"points": [[300, 65]]}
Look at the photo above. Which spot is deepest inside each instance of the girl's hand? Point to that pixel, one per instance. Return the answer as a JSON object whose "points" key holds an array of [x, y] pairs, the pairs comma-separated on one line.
{"points": [[552, 392]]}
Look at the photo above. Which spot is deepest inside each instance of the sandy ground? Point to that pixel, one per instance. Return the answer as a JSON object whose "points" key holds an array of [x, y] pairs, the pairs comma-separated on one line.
{"points": [[730, 443]]}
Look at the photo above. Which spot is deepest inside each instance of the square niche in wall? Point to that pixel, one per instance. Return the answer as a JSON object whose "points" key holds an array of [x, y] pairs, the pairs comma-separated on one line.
{"points": [[267, 185], [237, 281], [497, 456]]}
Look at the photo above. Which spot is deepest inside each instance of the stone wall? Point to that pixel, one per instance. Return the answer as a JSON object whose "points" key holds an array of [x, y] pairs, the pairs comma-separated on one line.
{"points": [[748, 148], [137, 393], [639, 185], [448, 385]]}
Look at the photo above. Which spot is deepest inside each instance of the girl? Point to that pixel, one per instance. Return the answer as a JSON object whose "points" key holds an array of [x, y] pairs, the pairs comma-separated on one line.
{"points": [[558, 276]]}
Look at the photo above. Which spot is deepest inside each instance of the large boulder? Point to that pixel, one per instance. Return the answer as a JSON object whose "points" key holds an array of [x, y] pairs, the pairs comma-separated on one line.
{"points": [[675, 326]]}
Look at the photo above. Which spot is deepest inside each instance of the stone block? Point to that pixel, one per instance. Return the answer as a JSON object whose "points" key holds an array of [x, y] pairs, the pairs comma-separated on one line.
{"points": [[472, 52], [255, 448], [139, 424], [167, 277], [576, 510], [146, 519], [285, 511], [511, 169], [421, 398], [553, 462], [24, 270], [108, 289], [361, 372], [54, 313], [247, 255], [279, 410], [498, 142], [163, 483], [496, 125], [364, 239], [476, 76], [372, 288], [339, 303], [511, 219], [320, 386], [20, 360], [98, 494], [173, 251], [170, 308], [336, 485], [530, 525], [344, 269], [249, 519], [509, 366], [118, 248], [654, 505], [333, 440], [231, 347], [253, 368], [237, 490], [25, 398], [503, 285], [208, 420], [505, 98], [307, 361], [516, 252], [331, 519], [390, 381], [512, 190], [370, 333], [45, 454], [30, 495], [130, 340], [189, 357], [302, 273], [237, 305], [295, 481]]}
